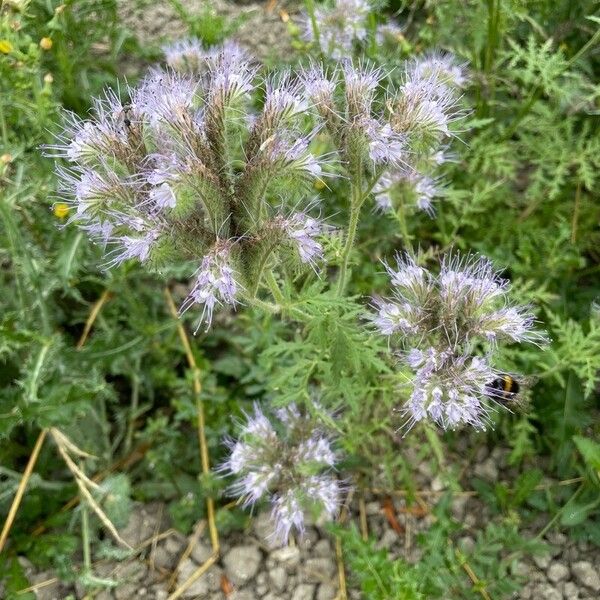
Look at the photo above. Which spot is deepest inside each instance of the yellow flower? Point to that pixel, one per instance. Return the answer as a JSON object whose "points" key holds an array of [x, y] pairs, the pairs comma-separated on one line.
{"points": [[61, 210], [5, 47], [45, 43], [6, 158], [319, 184], [48, 78]]}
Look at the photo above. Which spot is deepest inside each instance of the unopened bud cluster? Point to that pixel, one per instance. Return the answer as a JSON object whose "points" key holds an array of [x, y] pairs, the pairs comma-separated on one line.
{"points": [[450, 326], [288, 461]]}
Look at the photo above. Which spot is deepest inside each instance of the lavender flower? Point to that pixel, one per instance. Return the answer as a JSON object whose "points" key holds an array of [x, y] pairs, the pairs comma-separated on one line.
{"points": [[360, 84], [303, 231], [421, 189], [442, 67], [388, 33], [189, 56], [185, 56], [215, 284], [289, 464], [385, 145], [317, 86], [283, 98], [127, 247], [339, 26], [164, 97], [445, 321]]}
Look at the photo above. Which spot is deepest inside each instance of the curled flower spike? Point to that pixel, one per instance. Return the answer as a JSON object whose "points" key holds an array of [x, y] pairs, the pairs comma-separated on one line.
{"points": [[441, 66], [385, 145], [421, 189], [215, 284], [445, 322], [449, 389], [185, 56], [303, 231], [288, 462]]}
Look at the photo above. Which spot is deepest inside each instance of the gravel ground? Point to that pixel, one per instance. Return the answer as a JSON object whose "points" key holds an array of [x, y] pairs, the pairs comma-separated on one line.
{"points": [[263, 31], [251, 568]]}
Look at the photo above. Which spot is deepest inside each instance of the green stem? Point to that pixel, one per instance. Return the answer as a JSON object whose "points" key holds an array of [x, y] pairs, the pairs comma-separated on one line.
{"points": [[135, 396], [310, 9], [273, 309], [356, 204], [274, 287], [401, 218]]}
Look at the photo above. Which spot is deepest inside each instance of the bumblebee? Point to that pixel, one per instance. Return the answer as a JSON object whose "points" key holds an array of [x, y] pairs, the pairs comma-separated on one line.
{"points": [[503, 389]]}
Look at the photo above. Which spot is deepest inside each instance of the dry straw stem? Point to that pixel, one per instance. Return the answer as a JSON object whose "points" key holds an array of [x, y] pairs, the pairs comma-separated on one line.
{"points": [[106, 295], [212, 559], [362, 512], [198, 530], [14, 507], [342, 594], [469, 571], [125, 462], [210, 505], [152, 540], [64, 445]]}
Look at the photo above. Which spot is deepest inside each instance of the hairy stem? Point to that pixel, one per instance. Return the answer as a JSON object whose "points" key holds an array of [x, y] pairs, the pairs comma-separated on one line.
{"points": [[274, 287], [355, 205]]}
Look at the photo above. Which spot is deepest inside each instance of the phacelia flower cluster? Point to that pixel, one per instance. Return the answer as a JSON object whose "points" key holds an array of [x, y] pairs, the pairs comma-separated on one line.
{"points": [[288, 461], [343, 25], [450, 326], [427, 104], [340, 27], [353, 115], [187, 170]]}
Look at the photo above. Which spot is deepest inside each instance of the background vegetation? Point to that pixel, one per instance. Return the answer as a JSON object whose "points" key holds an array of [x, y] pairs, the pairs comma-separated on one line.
{"points": [[522, 193]]}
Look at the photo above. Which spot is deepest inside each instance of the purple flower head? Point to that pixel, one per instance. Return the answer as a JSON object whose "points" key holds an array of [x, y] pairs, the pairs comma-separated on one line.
{"points": [[162, 197], [284, 153], [126, 247], [90, 141], [303, 231], [425, 107], [389, 33], [289, 464], [215, 284], [385, 145], [425, 189], [185, 56], [284, 98], [450, 390], [318, 88], [361, 82], [447, 321], [231, 77], [94, 192], [441, 66], [164, 97], [339, 26]]}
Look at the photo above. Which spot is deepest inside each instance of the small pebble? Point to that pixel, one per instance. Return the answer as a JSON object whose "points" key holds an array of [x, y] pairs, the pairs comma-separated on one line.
{"points": [[586, 574], [557, 572]]}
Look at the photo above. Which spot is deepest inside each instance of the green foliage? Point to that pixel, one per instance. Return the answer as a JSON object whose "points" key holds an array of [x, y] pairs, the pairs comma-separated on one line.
{"points": [[440, 572], [521, 192]]}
